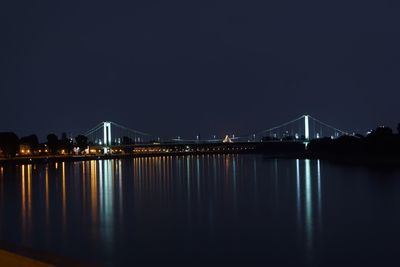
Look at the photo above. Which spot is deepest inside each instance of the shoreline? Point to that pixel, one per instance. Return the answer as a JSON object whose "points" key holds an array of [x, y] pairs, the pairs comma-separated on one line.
{"points": [[339, 158], [12, 254]]}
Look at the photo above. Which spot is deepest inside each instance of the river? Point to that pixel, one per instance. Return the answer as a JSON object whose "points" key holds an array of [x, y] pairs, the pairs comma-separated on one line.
{"points": [[204, 209]]}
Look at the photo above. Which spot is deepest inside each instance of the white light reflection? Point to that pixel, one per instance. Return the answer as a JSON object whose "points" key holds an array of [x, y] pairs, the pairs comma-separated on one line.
{"points": [[319, 193], [101, 200], [107, 200], [188, 177], [308, 207], [198, 178], [188, 190], [298, 192], [215, 175], [120, 188]]}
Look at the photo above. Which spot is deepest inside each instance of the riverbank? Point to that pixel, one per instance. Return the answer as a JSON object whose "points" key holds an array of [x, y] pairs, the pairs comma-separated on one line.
{"points": [[13, 255], [289, 150], [13, 259], [270, 148]]}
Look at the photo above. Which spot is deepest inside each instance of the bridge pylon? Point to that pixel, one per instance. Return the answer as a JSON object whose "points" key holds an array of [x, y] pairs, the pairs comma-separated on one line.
{"points": [[106, 135], [306, 128]]}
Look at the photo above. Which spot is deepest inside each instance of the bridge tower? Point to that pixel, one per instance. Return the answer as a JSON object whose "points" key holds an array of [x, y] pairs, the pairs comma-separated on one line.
{"points": [[306, 127], [106, 135]]}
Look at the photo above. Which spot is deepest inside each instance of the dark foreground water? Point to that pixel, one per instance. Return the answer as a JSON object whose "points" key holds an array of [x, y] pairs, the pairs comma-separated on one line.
{"points": [[211, 209]]}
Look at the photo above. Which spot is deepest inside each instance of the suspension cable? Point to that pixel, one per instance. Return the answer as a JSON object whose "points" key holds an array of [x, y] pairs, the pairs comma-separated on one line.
{"points": [[97, 127], [282, 125], [130, 130], [329, 126]]}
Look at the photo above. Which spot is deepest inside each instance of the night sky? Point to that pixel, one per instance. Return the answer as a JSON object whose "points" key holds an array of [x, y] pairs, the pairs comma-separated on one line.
{"points": [[186, 67]]}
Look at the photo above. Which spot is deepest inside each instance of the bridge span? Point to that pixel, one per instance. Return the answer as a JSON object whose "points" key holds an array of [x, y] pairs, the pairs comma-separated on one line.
{"points": [[112, 138]]}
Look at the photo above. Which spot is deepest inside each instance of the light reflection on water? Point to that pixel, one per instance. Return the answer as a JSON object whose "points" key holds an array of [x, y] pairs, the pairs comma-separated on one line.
{"points": [[151, 175], [308, 206], [144, 209]]}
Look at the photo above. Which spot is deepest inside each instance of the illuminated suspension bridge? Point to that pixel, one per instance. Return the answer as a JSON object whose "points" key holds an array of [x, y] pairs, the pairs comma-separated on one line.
{"points": [[302, 129], [110, 133]]}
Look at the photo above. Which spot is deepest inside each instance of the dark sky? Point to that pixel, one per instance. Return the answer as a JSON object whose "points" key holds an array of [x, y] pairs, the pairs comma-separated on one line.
{"points": [[188, 67]]}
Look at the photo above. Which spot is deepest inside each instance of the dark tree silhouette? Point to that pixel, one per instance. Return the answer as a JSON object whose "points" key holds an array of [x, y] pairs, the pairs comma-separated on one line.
{"points": [[380, 132], [398, 128], [81, 142], [9, 143], [381, 142], [52, 143], [30, 140], [65, 143], [359, 136]]}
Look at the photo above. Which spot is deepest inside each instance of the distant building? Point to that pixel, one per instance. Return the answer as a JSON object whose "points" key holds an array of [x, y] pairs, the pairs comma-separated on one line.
{"points": [[25, 149], [42, 149]]}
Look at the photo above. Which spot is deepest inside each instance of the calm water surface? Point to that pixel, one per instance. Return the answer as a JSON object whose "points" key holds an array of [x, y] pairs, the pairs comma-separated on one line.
{"points": [[211, 209]]}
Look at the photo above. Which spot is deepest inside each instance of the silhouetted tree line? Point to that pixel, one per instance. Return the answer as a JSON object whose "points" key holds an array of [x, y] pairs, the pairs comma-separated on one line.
{"points": [[10, 143], [380, 142]]}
